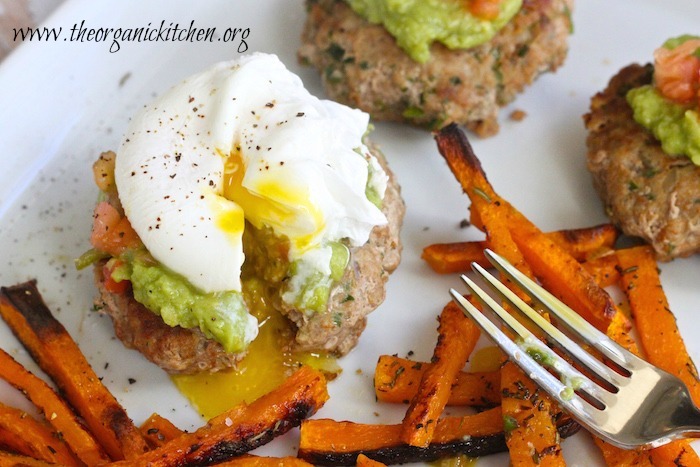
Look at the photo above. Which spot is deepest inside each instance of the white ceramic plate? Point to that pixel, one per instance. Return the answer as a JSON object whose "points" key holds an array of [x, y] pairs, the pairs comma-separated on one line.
{"points": [[62, 103]]}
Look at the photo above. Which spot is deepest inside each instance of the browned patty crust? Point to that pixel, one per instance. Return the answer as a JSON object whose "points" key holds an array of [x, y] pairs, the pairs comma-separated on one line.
{"points": [[648, 193], [362, 66], [360, 291]]}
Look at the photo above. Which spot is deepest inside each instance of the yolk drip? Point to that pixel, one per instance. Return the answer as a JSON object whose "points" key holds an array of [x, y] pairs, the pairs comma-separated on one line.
{"points": [[486, 359], [268, 362]]}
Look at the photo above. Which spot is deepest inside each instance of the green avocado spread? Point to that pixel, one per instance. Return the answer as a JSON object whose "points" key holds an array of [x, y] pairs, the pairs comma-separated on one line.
{"points": [[416, 24], [676, 126], [224, 316]]}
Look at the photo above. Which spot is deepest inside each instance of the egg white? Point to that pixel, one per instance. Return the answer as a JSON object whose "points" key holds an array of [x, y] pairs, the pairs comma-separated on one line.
{"points": [[240, 141]]}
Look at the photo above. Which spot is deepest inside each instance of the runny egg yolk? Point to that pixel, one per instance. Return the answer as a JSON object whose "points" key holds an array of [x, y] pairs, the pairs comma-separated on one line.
{"points": [[281, 204], [268, 363]]}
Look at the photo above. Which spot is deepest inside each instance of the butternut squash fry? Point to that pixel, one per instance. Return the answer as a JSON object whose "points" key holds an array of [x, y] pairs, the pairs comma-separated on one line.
{"points": [[561, 274], [11, 459], [54, 409], [259, 461], [330, 442], [659, 337], [656, 325], [493, 211], [603, 269], [524, 245], [24, 435], [457, 337], [530, 429], [243, 427], [364, 461], [396, 380], [23, 309], [158, 430], [447, 258], [619, 331], [495, 215]]}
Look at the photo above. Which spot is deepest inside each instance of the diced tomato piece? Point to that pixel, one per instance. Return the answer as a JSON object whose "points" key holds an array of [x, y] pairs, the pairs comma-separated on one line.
{"points": [[111, 232], [485, 9], [677, 71], [112, 285]]}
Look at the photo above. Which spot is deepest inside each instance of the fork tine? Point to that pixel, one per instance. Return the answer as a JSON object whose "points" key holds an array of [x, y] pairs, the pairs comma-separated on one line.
{"points": [[569, 400], [531, 344], [553, 334], [573, 320], [510, 348]]}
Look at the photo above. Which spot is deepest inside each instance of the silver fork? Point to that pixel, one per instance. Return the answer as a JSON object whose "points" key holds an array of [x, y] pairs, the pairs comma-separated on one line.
{"points": [[629, 403]]}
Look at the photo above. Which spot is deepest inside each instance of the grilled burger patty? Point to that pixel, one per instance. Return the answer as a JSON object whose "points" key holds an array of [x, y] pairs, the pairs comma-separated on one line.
{"points": [[362, 66], [360, 291], [646, 192]]}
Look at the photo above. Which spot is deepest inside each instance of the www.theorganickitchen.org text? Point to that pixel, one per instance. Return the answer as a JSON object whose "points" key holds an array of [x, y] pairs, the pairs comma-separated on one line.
{"points": [[115, 37]]}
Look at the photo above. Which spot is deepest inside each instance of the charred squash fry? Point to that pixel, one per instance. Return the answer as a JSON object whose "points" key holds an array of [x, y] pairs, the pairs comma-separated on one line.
{"points": [[364, 461], [330, 442], [603, 269], [24, 435], [158, 430], [457, 337], [396, 380], [54, 409], [492, 210], [446, 258], [49, 343], [559, 271], [258, 461], [562, 275], [659, 337], [11, 459], [494, 213], [244, 427], [656, 325], [530, 428]]}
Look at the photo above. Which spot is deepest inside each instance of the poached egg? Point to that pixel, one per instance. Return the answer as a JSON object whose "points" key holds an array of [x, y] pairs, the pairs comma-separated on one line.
{"points": [[245, 141]]}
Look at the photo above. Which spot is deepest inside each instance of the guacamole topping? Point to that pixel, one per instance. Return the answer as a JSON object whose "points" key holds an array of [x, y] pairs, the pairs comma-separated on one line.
{"points": [[222, 316], [416, 24], [676, 126], [670, 107]]}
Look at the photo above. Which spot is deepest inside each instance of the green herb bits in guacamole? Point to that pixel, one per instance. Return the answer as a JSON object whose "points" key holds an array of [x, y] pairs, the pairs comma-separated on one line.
{"points": [[416, 24], [676, 126]]}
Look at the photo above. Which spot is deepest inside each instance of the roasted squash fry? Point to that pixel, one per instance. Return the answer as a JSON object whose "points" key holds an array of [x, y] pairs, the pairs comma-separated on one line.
{"points": [[396, 380], [364, 461], [656, 325], [528, 417], [562, 275], [446, 258], [659, 336], [495, 215], [603, 269], [243, 427], [49, 343], [457, 337], [258, 461], [158, 430], [54, 409], [330, 442], [531, 250], [11, 459], [492, 211], [24, 435]]}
